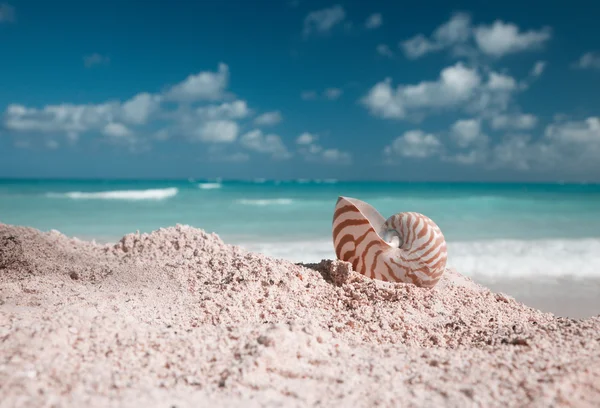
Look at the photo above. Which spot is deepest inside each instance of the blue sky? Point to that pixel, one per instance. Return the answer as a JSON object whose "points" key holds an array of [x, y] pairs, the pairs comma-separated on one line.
{"points": [[499, 91]]}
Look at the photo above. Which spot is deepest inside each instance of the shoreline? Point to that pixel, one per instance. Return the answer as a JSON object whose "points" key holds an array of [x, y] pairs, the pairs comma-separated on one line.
{"points": [[178, 317]]}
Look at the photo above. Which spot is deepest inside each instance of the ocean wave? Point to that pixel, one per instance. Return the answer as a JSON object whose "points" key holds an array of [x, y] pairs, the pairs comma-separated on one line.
{"points": [[210, 186], [151, 194], [263, 202], [491, 260]]}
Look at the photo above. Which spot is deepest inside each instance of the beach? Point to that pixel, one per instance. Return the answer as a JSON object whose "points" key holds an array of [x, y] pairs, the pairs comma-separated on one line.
{"points": [[180, 318]]}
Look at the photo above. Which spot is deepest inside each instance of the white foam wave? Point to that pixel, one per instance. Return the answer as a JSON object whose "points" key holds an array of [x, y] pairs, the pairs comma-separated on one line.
{"points": [[263, 202], [210, 186], [492, 260], [151, 194]]}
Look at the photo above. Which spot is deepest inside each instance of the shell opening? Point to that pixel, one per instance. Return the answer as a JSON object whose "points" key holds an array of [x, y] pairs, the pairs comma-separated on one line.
{"points": [[392, 237]]}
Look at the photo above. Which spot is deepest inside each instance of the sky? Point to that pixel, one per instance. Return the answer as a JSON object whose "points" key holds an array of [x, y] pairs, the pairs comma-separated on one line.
{"points": [[284, 89]]}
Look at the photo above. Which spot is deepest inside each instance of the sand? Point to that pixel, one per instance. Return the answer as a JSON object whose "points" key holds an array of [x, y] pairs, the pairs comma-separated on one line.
{"points": [[177, 318]]}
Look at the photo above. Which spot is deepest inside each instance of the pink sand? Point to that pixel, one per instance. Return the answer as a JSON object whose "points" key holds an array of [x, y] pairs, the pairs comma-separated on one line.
{"points": [[178, 318]]}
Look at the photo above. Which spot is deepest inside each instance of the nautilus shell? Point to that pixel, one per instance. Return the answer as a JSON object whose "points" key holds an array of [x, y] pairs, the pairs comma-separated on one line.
{"points": [[407, 247]]}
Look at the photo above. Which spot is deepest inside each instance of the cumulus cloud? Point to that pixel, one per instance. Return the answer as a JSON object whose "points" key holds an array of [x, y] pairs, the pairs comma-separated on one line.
{"points": [[569, 146], [217, 131], [313, 151], [336, 156], [575, 132], [374, 21], [228, 110], [139, 108], [272, 144], [458, 34], [117, 130], [518, 121], [65, 118], [457, 30], [268, 119], [95, 59], [205, 85], [306, 138], [191, 114], [414, 143], [456, 84], [502, 38], [467, 133], [589, 60], [7, 13], [501, 82], [322, 21]]}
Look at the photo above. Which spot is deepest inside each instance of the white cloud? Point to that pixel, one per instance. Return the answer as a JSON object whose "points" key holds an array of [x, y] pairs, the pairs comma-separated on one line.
{"points": [[457, 84], [312, 151], [95, 59], [65, 118], [574, 132], [190, 117], [227, 110], [589, 60], [202, 86], [335, 155], [270, 144], [571, 147], [467, 132], [455, 31], [117, 130], [332, 93], [515, 121], [7, 13], [268, 118], [308, 95], [306, 138], [384, 50], [458, 34], [139, 108], [418, 46], [501, 82], [415, 143], [513, 152], [374, 21], [469, 158], [217, 131], [538, 68], [502, 38], [322, 21]]}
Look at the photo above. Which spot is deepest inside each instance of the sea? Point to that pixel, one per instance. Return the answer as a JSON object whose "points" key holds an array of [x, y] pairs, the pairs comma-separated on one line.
{"points": [[494, 231]]}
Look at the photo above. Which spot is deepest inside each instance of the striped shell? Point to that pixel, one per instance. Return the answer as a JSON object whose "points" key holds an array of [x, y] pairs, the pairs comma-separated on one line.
{"points": [[407, 247]]}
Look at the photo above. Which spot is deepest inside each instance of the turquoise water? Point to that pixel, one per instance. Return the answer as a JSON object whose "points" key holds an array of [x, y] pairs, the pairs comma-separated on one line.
{"points": [[293, 219], [298, 210]]}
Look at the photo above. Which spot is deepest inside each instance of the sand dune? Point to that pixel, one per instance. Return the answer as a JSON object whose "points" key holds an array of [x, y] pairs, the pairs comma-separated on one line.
{"points": [[179, 318]]}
